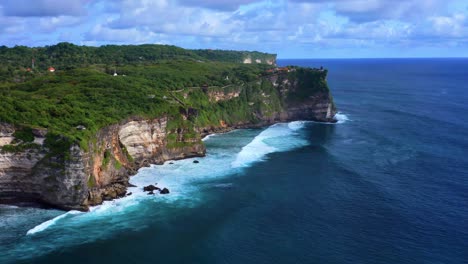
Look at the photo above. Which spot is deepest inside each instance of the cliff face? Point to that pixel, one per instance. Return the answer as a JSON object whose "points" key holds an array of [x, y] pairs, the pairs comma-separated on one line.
{"points": [[121, 149], [146, 142], [82, 177]]}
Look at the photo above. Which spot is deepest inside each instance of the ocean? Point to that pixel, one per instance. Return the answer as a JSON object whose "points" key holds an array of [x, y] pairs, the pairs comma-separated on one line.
{"points": [[387, 184]]}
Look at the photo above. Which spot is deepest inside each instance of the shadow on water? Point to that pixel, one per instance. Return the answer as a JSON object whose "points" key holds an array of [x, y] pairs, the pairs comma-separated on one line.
{"points": [[319, 134]]}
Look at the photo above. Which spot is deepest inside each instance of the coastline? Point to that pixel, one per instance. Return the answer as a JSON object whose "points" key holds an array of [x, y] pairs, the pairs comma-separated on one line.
{"points": [[226, 130], [166, 174], [120, 188], [85, 174]]}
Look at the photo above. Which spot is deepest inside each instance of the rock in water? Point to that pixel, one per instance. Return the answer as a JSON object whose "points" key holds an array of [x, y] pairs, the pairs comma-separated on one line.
{"points": [[164, 191], [150, 193], [128, 194], [196, 161], [150, 188]]}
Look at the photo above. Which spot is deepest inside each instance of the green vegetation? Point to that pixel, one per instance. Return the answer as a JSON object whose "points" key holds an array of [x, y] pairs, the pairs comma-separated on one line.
{"points": [[125, 151], [19, 148], [117, 165], [66, 56], [24, 135], [83, 96], [91, 181], [309, 83], [106, 159], [179, 144], [235, 56]]}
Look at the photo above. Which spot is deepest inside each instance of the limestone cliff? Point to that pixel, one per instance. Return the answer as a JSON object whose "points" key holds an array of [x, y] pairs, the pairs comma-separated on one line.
{"points": [[81, 176]]}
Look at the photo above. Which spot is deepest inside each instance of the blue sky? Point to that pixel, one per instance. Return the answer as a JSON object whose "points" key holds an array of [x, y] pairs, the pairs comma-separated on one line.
{"points": [[292, 29]]}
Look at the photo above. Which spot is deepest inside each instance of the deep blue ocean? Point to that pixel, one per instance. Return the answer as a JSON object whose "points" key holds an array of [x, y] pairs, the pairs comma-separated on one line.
{"points": [[387, 184]]}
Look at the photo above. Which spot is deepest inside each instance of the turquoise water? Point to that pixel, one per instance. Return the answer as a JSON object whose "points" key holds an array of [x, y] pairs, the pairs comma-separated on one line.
{"points": [[385, 185]]}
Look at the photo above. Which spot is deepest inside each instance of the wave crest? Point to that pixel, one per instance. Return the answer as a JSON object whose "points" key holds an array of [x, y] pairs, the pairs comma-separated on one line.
{"points": [[49, 223], [277, 138], [341, 118]]}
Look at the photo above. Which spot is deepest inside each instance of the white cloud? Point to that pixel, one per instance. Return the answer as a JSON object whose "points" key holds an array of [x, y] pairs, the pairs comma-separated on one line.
{"points": [[50, 24], [101, 33], [222, 5], [452, 26], [245, 24]]}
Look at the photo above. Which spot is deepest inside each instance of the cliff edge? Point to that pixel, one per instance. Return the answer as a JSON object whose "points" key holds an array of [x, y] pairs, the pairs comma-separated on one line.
{"points": [[41, 167]]}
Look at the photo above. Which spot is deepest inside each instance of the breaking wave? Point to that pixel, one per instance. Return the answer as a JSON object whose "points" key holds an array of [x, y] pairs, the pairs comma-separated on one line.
{"points": [[51, 222], [341, 118], [277, 138], [227, 155]]}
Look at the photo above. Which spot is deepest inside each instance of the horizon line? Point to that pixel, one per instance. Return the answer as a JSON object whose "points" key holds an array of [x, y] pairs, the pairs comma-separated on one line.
{"points": [[370, 58]]}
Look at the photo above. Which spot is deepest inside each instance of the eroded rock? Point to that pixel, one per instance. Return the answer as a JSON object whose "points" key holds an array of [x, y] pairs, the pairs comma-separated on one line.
{"points": [[151, 188]]}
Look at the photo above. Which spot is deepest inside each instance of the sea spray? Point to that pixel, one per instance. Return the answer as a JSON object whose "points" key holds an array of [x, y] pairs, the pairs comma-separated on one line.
{"points": [[277, 138], [51, 222], [341, 118]]}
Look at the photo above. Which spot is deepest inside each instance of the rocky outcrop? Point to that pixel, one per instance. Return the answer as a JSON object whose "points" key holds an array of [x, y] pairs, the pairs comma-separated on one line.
{"points": [[270, 60], [16, 170], [221, 95], [109, 192], [18, 167], [6, 134], [35, 176], [144, 139], [151, 188], [319, 107], [146, 142], [122, 149]]}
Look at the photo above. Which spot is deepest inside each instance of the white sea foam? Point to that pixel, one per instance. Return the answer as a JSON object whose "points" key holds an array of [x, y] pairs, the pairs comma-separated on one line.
{"points": [[254, 151], [223, 185], [6, 206], [277, 138], [227, 155], [207, 137], [296, 125], [51, 222], [341, 118]]}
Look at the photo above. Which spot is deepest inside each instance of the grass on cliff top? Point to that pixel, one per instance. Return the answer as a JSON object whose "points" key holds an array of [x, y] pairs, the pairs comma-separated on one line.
{"points": [[69, 56], [92, 97]]}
